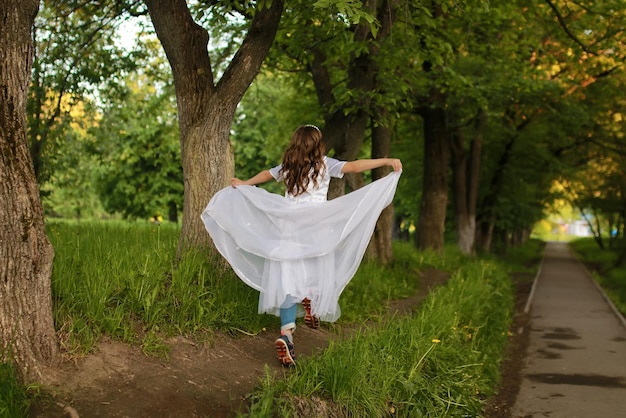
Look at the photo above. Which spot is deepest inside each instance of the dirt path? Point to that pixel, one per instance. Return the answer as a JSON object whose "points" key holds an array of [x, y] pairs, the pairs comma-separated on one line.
{"points": [[199, 380]]}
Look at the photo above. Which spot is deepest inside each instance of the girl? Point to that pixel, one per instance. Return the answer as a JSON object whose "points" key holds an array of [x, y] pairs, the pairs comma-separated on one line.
{"points": [[299, 249]]}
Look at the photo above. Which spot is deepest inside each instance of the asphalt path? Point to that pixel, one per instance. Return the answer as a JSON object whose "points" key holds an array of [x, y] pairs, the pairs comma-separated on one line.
{"points": [[576, 360]]}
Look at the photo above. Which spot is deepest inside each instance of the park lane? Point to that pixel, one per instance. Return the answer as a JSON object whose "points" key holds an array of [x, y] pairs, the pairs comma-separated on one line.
{"points": [[576, 360]]}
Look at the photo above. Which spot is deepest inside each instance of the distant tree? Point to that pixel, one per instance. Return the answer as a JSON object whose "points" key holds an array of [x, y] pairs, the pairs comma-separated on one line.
{"points": [[76, 54], [136, 141], [547, 124], [27, 335]]}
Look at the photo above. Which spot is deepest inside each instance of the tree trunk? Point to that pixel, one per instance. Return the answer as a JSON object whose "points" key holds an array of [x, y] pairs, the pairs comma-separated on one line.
{"points": [[465, 225], [380, 244], [429, 233], [27, 336], [353, 131], [206, 109], [466, 172], [432, 216], [485, 238], [344, 130], [489, 204]]}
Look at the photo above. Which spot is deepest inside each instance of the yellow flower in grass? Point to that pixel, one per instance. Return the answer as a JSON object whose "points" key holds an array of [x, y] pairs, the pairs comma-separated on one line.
{"points": [[436, 341]]}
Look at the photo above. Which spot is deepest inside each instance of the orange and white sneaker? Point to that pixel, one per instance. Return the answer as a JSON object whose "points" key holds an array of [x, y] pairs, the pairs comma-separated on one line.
{"points": [[310, 320], [286, 353]]}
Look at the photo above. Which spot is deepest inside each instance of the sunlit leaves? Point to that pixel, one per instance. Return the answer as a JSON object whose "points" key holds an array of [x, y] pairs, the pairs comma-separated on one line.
{"points": [[140, 173]]}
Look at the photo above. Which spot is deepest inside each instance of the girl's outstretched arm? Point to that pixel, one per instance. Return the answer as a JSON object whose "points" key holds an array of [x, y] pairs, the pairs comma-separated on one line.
{"points": [[358, 166], [261, 177]]}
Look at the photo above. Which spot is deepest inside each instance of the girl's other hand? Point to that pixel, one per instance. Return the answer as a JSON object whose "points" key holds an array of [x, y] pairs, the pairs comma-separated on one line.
{"points": [[396, 164], [234, 182]]}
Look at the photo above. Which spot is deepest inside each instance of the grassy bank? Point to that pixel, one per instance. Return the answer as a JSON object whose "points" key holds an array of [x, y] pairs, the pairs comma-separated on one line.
{"points": [[442, 361]]}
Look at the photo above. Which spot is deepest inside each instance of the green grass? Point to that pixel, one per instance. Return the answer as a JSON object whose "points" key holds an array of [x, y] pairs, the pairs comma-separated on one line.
{"points": [[604, 268], [442, 361], [14, 399], [122, 280]]}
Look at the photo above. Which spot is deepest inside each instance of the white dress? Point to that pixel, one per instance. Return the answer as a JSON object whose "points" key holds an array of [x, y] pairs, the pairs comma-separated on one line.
{"points": [[291, 248]]}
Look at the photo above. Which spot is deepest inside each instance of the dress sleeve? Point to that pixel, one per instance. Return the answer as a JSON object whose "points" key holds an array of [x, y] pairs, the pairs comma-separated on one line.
{"points": [[334, 167], [275, 172]]}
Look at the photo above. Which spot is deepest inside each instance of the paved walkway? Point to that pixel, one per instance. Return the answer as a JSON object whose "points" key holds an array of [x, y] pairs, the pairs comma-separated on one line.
{"points": [[576, 362]]}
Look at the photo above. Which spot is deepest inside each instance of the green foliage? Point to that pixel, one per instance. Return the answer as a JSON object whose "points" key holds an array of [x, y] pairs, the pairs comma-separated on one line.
{"points": [[140, 172], [14, 398], [548, 101], [122, 279], [70, 192], [76, 53], [442, 361], [351, 10]]}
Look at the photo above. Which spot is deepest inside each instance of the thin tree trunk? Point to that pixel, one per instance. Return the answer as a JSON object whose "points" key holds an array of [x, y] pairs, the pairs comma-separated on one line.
{"points": [[380, 244], [466, 172], [464, 226], [27, 335]]}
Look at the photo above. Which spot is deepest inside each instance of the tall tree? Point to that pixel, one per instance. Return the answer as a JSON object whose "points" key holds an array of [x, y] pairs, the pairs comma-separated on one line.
{"points": [[27, 335], [344, 59], [466, 174], [437, 135], [206, 107]]}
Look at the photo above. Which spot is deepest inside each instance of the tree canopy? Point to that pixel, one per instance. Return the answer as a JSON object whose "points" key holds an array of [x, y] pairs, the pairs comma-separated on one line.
{"points": [[487, 103]]}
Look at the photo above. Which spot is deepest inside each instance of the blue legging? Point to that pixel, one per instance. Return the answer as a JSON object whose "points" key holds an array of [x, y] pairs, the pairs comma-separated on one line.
{"points": [[288, 312]]}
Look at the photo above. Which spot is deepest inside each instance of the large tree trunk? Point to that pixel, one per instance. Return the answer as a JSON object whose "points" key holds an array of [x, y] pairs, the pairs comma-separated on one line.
{"points": [[206, 109], [432, 216], [27, 336], [466, 172]]}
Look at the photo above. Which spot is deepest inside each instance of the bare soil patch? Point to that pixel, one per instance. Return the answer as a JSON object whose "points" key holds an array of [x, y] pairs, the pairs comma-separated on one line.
{"points": [[212, 380]]}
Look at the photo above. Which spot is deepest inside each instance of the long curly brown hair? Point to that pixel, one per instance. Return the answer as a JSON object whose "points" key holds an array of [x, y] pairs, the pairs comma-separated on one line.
{"points": [[303, 159]]}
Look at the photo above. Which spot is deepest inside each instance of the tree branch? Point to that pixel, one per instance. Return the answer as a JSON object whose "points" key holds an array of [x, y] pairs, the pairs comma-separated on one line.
{"points": [[566, 29]]}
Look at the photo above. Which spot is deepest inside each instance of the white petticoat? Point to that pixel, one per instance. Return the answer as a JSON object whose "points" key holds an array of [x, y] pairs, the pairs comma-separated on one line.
{"points": [[282, 248]]}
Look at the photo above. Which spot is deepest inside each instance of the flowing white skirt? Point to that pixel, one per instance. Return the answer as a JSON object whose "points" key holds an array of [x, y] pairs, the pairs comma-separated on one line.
{"points": [[292, 251]]}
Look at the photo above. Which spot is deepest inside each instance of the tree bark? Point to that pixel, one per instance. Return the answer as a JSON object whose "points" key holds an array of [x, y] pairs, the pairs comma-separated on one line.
{"points": [[206, 109], [27, 336], [466, 173], [431, 220], [380, 244], [432, 216]]}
